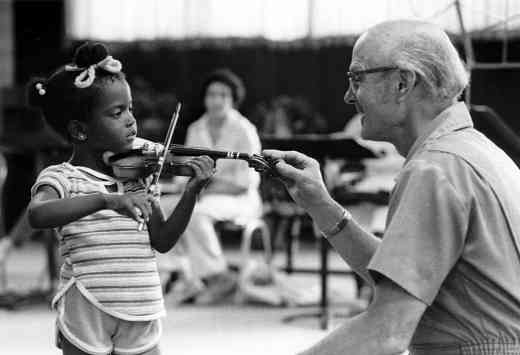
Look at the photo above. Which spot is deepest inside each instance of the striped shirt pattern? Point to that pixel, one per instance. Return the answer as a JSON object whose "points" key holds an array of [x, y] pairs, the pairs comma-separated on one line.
{"points": [[109, 260]]}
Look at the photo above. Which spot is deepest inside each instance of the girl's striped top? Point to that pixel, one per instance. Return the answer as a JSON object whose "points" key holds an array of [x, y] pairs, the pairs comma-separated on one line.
{"points": [[105, 255]]}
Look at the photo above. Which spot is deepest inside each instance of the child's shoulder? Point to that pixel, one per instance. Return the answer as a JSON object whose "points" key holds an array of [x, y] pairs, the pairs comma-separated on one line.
{"points": [[58, 176], [61, 167]]}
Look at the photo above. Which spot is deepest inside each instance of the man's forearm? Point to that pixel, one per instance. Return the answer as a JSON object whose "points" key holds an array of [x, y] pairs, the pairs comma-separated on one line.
{"points": [[355, 245], [385, 328], [359, 335]]}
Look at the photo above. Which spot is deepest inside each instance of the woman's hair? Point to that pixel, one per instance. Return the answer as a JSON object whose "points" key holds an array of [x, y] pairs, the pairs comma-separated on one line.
{"points": [[62, 97], [228, 78]]}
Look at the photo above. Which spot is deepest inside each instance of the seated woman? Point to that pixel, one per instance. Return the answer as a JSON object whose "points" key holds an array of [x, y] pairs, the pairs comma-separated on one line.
{"points": [[232, 193]]}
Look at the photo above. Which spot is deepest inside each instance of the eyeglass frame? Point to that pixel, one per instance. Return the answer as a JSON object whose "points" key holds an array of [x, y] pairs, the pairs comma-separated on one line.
{"points": [[352, 74]]}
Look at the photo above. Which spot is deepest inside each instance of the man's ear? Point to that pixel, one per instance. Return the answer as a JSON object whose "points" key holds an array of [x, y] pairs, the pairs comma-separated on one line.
{"points": [[77, 130], [406, 83]]}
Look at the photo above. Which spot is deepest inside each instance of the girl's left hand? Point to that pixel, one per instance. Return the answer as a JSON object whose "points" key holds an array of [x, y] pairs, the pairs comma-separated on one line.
{"points": [[204, 168]]}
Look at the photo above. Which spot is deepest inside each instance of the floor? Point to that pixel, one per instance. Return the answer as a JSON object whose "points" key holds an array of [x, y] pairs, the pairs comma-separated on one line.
{"points": [[230, 328]]}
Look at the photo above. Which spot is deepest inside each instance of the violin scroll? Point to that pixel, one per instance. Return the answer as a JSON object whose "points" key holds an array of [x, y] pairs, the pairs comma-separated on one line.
{"points": [[263, 165]]}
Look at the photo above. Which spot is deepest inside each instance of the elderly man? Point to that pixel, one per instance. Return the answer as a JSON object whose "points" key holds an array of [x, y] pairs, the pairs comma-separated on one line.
{"points": [[447, 271]]}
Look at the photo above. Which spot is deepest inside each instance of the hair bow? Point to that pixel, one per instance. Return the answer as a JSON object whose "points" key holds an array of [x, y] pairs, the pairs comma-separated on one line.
{"points": [[88, 74]]}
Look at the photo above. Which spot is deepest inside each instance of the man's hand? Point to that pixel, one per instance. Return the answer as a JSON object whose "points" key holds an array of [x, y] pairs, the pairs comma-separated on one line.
{"points": [[302, 177]]}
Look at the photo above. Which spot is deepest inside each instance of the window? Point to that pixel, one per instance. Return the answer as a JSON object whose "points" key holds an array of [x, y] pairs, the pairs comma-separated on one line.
{"points": [[126, 20]]}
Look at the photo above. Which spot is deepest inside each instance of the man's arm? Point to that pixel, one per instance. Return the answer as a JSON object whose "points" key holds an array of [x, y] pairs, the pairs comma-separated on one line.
{"points": [[354, 244], [385, 328], [302, 177]]}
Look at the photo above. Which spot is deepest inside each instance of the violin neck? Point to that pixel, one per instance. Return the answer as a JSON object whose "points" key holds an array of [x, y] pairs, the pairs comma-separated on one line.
{"points": [[181, 150]]}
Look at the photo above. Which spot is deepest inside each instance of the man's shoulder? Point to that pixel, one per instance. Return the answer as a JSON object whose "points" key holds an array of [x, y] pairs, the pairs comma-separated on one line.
{"points": [[471, 150], [465, 143], [433, 167]]}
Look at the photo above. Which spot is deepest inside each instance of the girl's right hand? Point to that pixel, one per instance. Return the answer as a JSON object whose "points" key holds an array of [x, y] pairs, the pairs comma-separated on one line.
{"points": [[136, 205]]}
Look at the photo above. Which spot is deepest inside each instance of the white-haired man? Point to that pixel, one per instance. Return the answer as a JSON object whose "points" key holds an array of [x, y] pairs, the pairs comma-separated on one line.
{"points": [[447, 270]]}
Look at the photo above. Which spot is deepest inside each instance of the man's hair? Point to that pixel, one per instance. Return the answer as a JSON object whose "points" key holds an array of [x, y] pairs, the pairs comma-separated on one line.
{"points": [[437, 62]]}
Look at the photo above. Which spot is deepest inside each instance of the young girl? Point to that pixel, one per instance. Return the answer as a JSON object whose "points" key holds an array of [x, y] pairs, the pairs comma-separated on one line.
{"points": [[109, 300]]}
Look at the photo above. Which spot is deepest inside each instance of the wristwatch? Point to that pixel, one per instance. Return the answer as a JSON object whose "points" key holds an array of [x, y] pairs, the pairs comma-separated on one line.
{"points": [[339, 226]]}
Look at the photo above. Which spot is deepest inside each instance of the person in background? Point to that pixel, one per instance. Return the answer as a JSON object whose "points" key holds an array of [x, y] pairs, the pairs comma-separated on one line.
{"points": [[232, 193]]}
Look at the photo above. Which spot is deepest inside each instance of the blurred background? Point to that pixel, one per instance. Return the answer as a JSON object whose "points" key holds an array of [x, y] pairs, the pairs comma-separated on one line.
{"points": [[292, 56]]}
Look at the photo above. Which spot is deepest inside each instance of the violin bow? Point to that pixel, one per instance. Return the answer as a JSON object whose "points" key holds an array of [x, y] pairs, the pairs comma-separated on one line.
{"points": [[167, 142], [166, 150]]}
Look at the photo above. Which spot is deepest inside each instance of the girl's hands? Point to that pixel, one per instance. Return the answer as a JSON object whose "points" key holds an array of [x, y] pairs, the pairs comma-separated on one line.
{"points": [[204, 168], [136, 205]]}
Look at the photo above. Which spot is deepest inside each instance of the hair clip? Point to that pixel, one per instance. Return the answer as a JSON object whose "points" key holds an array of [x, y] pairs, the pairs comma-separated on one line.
{"points": [[41, 90]]}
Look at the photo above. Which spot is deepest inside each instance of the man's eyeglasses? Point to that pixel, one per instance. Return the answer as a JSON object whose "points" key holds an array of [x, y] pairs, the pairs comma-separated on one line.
{"points": [[357, 75]]}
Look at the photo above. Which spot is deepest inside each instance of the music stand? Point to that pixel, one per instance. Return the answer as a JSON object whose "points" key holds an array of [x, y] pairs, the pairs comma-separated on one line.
{"points": [[319, 147]]}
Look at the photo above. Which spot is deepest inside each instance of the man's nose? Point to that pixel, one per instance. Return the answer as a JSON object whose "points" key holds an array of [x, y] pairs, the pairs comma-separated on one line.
{"points": [[349, 97]]}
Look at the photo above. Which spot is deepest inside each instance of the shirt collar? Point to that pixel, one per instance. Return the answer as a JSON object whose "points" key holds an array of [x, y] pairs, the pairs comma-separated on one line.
{"points": [[92, 175], [453, 118]]}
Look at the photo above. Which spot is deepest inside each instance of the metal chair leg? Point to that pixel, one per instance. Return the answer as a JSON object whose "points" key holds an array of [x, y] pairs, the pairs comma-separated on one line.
{"points": [[247, 239]]}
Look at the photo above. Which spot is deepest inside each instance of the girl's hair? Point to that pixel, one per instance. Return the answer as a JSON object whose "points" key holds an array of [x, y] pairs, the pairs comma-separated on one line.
{"points": [[60, 99], [227, 77]]}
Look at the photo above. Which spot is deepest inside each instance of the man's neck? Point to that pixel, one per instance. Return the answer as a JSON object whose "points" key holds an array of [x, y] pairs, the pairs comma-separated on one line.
{"points": [[419, 121]]}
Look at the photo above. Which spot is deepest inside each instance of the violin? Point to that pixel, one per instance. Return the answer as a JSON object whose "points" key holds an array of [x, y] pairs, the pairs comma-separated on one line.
{"points": [[143, 162]]}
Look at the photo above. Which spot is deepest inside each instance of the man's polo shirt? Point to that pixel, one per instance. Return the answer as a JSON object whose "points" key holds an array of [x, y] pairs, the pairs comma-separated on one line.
{"points": [[453, 237]]}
